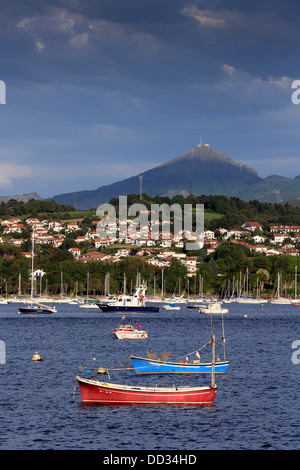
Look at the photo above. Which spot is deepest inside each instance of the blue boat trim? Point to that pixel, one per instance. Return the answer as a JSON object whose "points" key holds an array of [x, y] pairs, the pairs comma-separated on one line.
{"points": [[112, 308], [150, 366], [34, 310]]}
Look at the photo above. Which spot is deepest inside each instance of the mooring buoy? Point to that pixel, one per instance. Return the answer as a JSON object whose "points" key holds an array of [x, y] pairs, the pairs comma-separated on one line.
{"points": [[36, 357]]}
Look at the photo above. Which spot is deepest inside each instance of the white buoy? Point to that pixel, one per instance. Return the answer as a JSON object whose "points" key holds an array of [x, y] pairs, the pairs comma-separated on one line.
{"points": [[36, 357]]}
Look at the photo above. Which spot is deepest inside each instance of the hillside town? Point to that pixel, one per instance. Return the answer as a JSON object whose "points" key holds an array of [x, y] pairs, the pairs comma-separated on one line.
{"points": [[88, 247]]}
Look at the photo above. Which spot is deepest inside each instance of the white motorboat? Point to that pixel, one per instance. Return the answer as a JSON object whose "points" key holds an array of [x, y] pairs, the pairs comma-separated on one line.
{"points": [[130, 303], [129, 332]]}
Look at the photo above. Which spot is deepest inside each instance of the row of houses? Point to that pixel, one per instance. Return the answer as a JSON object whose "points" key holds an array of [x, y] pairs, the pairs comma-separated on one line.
{"points": [[284, 240], [46, 232], [161, 259]]}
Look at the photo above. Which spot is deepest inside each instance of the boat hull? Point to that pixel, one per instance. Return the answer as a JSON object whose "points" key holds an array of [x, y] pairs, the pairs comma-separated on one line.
{"points": [[35, 310], [148, 366], [131, 309], [88, 306], [141, 334], [222, 311], [93, 391]]}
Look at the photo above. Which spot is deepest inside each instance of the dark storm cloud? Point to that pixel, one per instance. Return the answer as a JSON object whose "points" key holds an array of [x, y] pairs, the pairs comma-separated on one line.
{"points": [[138, 81]]}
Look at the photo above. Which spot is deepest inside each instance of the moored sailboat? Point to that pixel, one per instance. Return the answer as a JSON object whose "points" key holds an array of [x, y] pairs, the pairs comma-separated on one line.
{"points": [[35, 307], [279, 300]]}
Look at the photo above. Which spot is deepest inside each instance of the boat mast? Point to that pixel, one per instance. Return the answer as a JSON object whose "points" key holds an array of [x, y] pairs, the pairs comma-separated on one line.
{"points": [[87, 286], [213, 382], [32, 264], [61, 285], [20, 294], [295, 282]]}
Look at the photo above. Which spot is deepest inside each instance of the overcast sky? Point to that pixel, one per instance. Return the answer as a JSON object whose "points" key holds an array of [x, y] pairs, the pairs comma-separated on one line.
{"points": [[100, 90]]}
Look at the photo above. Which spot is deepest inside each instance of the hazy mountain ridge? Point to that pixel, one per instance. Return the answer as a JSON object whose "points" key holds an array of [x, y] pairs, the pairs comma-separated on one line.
{"points": [[23, 197]]}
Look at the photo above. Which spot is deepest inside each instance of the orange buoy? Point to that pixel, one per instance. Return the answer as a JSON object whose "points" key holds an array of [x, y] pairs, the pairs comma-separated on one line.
{"points": [[36, 357], [245, 316]]}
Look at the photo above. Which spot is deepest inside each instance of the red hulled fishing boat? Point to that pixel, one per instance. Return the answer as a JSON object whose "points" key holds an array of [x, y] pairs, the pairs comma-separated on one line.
{"points": [[94, 391]]}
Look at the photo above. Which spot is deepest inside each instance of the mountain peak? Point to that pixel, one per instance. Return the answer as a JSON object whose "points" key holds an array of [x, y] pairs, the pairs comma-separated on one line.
{"points": [[205, 153]]}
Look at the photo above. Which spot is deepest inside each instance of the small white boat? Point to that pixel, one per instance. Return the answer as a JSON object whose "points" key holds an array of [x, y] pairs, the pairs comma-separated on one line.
{"points": [[129, 332], [171, 307], [213, 308]]}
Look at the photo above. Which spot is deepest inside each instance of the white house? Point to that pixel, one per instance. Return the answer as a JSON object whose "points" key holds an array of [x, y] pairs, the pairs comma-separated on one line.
{"points": [[76, 252], [233, 233], [122, 253], [11, 221], [251, 226], [208, 234], [279, 238], [258, 239]]}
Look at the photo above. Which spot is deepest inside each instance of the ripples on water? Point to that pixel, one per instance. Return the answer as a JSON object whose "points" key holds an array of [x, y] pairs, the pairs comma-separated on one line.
{"points": [[256, 405]]}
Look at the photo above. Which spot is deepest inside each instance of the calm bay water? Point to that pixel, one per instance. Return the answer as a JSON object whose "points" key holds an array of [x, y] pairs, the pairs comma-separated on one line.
{"points": [[256, 406]]}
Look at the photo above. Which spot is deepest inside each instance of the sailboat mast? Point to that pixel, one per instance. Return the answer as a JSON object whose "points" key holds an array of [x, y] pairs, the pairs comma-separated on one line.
{"points": [[61, 285], [32, 264], [87, 285], [19, 293], [213, 382]]}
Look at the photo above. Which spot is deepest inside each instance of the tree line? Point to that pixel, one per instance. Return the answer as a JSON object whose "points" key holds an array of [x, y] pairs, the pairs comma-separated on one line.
{"points": [[14, 208], [234, 211]]}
